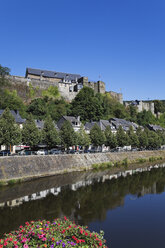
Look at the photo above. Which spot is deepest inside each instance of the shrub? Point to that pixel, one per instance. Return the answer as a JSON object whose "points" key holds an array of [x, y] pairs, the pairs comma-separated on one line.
{"points": [[59, 233], [141, 160], [125, 162]]}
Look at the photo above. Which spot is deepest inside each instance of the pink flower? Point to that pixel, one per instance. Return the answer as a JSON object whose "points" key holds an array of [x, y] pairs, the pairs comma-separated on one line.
{"points": [[25, 246]]}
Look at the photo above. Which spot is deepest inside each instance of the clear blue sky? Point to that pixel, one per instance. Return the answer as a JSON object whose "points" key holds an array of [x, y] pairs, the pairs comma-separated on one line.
{"points": [[121, 40]]}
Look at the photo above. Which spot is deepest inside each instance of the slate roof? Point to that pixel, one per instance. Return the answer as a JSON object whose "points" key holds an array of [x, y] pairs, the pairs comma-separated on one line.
{"points": [[70, 118], [125, 124], [101, 123], [155, 127], [52, 74], [17, 117], [89, 125], [39, 124]]}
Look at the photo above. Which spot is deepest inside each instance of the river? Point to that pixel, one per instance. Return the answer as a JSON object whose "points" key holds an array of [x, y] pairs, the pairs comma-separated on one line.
{"points": [[129, 207]]}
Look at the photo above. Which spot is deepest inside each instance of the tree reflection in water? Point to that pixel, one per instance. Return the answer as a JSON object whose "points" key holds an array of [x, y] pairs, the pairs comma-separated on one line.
{"points": [[87, 203]]}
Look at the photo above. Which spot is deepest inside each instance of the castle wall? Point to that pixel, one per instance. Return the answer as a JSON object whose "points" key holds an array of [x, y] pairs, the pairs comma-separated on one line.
{"points": [[148, 106], [66, 89], [117, 96], [21, 82], [101, 87]]}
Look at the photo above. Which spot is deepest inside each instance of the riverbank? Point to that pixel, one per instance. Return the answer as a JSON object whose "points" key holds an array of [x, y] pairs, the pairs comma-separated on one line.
{"points": [[24, 168]]}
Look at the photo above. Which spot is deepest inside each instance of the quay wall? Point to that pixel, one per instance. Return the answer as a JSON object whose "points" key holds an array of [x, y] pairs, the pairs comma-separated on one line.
{"points": [[28, 167]]}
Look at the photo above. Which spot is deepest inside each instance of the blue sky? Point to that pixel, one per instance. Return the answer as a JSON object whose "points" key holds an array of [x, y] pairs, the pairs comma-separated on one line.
{"points": [[121, 40]]}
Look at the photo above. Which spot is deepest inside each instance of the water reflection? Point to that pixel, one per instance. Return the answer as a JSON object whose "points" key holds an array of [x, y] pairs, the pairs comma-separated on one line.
{"points": [[84, 197]]}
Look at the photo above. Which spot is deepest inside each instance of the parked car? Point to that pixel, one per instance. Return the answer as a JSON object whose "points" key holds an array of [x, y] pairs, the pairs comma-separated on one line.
{"points": [[87, 151], [55, 151], [72, 151], [80, 151], [40, 152], [134, 149], [5, 153], [26, 152]]}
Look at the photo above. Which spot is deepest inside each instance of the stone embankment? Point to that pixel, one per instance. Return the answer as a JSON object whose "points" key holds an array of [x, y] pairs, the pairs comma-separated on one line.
{"points": [[28, 167]]}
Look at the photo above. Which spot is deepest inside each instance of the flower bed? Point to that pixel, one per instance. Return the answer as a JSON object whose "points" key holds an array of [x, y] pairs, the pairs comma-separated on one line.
{"points": [[59, 233]]}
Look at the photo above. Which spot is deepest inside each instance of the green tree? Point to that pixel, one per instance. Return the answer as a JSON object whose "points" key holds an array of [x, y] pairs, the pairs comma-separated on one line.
{"points": [[142, 137], [153, 140], [51, 93], [50, 136], [57, 108], [83, 139], [161, 120], [146, 117], [159, 106], [122, 137], [3, 72], [133, 113], [134, 141], [38, 108], [67, 134], [9, 99], [31, 136], [161, 135], [86, 105], [110, 138], [112, 108], [97, 136], [10, 133], [32, 91]]}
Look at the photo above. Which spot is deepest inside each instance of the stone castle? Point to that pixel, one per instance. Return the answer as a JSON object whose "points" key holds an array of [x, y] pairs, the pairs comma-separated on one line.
{"points": [[141, 105], [68, 84]]}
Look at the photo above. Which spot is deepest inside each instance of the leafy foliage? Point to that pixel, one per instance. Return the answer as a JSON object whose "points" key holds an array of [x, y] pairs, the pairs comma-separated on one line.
{"points": [[159, 106], [86, 105], [3, 72], [59, 233], [67, 134], [9, 99], [145, 117], [110, 138], [51, 93], [30, 134], [10, 133], [50, 136], [122, 137], [133, 138], [40, 108], [83, 139], [97, 136], [142, 137], [37, 108]]}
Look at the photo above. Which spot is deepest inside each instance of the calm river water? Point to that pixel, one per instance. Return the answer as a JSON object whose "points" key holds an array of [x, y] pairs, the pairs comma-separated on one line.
{"points": [[130, 209]]}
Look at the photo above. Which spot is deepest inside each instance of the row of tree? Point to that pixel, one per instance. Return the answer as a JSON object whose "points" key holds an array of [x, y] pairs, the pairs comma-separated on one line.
{"points": [[11, 134]]}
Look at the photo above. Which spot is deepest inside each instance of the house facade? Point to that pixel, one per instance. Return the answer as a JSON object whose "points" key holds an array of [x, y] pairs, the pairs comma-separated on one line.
{"points": [[74, 121]]}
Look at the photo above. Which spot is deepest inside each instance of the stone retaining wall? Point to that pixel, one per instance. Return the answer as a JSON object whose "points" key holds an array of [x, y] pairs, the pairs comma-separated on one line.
{"points": [[27, 167]]}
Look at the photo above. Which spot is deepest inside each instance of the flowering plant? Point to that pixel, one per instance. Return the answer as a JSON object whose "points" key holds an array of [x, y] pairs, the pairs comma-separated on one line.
{"points": [[59, 233]]}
